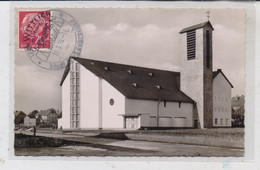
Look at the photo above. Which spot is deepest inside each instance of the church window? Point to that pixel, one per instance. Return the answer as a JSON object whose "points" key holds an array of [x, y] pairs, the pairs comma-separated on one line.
{"points": [[150, 74], [106, 68], [179, 104], [216, 121], [130, 71], [208, 48], [158, 87], [135, 85], [111, 102], [77, 66], [74, 97], [164, 103], [72, 66], [191, 44], [221, 121]]}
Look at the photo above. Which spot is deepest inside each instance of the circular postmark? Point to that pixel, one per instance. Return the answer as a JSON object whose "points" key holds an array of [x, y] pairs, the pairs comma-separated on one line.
{"points": [[53, 37]]}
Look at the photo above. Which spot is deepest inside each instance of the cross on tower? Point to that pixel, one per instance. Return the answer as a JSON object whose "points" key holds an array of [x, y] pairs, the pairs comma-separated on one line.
{"points": [[208, 15]]}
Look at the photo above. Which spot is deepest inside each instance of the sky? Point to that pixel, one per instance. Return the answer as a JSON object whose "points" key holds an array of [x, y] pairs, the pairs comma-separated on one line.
{"points": [[141, 37]]}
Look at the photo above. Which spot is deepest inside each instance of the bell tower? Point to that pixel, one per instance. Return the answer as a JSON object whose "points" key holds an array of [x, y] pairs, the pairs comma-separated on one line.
{"points": [[196, 69]]}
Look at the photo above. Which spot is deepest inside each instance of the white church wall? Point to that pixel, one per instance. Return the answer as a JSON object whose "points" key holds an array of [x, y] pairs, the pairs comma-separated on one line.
{"points": [[141, 106], [174, 110], [64, 122], [221, 101], [167, 113], [89, 99], [192, 71], [112, 111], [147, 108]]}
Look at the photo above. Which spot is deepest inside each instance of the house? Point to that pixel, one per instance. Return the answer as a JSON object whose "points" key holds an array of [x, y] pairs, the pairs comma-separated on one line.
{"points": [[222, 112], [104, 95], [28, 121], [47, 117]]}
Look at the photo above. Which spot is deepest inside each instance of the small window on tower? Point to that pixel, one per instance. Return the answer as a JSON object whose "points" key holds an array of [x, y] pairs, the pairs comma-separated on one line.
{"points": [[191, 44]]}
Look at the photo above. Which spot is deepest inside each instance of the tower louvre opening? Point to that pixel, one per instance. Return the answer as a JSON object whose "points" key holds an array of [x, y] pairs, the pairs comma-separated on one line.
{"points": [[191, 44]]}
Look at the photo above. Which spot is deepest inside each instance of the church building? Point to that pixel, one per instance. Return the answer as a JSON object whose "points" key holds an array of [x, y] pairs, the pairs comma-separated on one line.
{"points": [[105, 95]]}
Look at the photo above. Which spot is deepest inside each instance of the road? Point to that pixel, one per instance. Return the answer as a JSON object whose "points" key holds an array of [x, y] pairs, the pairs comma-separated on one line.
{"points": [[93, 146]]}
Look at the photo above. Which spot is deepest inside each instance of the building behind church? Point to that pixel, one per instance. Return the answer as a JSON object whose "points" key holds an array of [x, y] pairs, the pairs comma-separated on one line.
{"points": [[104, 95]]}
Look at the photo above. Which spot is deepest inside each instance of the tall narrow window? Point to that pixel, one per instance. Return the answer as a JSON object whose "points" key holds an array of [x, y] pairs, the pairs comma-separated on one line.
{"points": [[208, 48], [191, 44], [74, 95]]}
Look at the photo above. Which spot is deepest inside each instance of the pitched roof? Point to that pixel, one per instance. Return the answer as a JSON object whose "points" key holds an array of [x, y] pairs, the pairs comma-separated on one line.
{"points": [[43, 113], [197, 26], [215, 73], [240, 111], [137, 82]]}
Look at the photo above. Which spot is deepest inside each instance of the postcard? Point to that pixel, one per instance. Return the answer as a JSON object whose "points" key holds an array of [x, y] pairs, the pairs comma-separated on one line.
{"points": [[129, 82], [115, 84]]}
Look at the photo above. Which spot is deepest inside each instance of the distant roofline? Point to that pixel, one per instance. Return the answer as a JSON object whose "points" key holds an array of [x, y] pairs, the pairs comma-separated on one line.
{"points": [[220, 71]]}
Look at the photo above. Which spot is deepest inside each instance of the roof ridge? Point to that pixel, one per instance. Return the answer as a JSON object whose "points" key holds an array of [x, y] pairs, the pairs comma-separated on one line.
{"points": [[128, 65], [196, 26]]}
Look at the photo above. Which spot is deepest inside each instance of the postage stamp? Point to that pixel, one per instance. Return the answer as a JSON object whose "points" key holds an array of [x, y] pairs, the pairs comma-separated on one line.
{"points": [[49, 37], [34, 29]]}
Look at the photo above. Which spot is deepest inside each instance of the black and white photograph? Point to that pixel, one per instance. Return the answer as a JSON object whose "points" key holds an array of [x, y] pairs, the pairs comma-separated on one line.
{"points": [[129, 82]]}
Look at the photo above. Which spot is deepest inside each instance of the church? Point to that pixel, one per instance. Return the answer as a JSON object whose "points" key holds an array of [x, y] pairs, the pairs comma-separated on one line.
{"points": [[105, 95]]}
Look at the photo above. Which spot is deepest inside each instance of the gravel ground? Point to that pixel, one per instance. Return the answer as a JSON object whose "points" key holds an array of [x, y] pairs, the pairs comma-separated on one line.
{"points": [[147, 143]]}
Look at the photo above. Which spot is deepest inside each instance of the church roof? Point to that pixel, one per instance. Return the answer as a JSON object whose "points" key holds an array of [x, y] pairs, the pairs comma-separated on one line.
{"points": [[137, 82], [197, 26], [215, 73]]}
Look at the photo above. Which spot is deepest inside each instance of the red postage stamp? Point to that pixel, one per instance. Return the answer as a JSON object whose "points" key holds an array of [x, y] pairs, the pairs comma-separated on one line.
{"points": [[34, 30]]}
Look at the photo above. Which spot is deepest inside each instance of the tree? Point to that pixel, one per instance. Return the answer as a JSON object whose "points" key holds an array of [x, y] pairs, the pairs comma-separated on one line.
{"points": [[19, 118]]}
